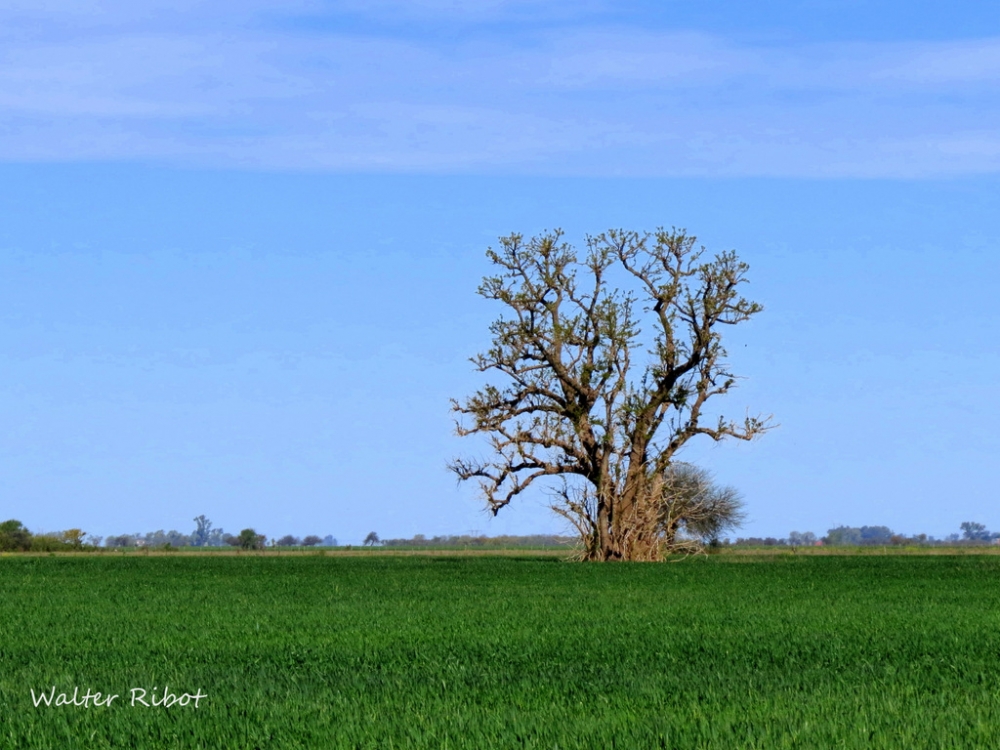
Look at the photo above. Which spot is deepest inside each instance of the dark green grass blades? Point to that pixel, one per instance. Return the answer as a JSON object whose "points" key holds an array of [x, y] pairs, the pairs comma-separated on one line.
{"points": [[400, 652]]}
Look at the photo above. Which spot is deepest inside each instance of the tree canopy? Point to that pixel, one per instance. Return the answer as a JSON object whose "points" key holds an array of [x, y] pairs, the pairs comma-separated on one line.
{"points": [[574, 405]]}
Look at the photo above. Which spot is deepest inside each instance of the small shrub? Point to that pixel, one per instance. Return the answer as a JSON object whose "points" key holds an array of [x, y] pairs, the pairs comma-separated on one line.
{"points": [[47, 543], [14, 537], [250, 539]]}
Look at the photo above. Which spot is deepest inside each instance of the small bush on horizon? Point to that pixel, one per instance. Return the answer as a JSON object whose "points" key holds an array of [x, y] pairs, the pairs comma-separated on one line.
{"points": [[14, 537], [249, 539]]}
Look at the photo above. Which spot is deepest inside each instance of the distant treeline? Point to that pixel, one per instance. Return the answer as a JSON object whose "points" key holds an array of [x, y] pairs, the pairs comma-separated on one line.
{"points": [[15, 537], [221, 539], [205, 535], [485, 542], [860, 536]]}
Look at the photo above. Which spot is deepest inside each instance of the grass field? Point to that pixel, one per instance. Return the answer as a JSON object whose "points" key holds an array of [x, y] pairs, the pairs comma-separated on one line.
{"points": [[476, 652]]}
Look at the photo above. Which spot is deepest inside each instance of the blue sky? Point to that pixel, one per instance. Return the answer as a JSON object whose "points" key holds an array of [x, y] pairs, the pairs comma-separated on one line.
{"points": [[788, 89], [241, 241]]}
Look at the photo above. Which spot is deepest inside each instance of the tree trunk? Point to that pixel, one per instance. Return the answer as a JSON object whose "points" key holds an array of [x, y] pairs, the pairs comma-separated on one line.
{"points": [[606, 548]]}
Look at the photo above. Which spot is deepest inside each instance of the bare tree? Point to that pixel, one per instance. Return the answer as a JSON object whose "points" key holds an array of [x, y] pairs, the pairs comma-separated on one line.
{"points": [[574, 406]]}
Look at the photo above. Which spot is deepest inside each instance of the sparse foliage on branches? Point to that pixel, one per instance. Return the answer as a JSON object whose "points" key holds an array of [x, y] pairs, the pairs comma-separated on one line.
{"points": [[576, 405]]}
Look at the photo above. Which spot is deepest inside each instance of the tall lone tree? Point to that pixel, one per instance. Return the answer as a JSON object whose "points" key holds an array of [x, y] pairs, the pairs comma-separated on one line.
{"points": [[202, 533], [575, 406]]}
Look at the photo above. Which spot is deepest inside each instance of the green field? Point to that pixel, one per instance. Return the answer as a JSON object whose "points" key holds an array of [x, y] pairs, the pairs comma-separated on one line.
{"points": [[310, 651]]}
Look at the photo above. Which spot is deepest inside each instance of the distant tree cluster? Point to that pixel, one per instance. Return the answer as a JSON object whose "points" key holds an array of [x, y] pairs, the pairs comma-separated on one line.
{"points": [[309, 541], [14, 537], [858, 537], [248, 539], [759, 541], [972, 534], [861, 536], [202, 536], [977, 532], [481, 541], [802, 539], [158, 538], [205, 535]]}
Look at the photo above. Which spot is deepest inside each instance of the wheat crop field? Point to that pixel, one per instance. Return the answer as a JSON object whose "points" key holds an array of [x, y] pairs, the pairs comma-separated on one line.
{"points": [[517, 651]]}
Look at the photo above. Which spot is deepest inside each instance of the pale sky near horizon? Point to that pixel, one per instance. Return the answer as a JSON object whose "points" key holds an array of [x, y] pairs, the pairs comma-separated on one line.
{"points": [[240, 245]]}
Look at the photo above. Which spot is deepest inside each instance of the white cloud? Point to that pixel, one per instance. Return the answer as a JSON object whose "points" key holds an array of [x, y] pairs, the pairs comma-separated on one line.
{"points": [[578, 100], [630, 58], [976, 61], [466, 10], [39, 16]]}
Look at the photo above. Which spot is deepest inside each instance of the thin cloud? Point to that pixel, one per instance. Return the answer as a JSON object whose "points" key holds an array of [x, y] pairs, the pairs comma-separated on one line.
{"points": [[55, 16], [636, 59], [945, 64], [574, 101], [466, 10]]}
